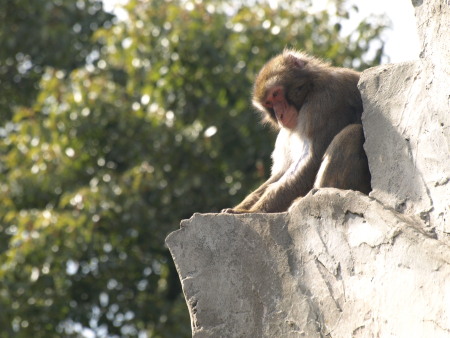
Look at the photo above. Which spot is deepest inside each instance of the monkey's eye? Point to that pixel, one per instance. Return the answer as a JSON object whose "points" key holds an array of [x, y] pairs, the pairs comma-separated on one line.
{"points": [[276, 93]]}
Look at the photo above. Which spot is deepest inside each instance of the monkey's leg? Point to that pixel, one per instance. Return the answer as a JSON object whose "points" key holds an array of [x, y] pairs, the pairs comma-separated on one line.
{"points": [[344, 163]]}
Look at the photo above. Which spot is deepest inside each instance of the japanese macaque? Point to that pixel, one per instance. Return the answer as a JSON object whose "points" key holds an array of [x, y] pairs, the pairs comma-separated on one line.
{"points": [[317, 110]]}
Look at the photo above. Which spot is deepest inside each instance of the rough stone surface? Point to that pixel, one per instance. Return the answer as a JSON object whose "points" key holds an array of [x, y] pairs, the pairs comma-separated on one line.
{"points": [[341, 264], [432, 17], [407, 125], [338, 264]]}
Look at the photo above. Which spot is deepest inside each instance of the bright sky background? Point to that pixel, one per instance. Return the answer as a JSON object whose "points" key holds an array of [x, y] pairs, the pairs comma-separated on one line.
{"points": [[402, 43]]}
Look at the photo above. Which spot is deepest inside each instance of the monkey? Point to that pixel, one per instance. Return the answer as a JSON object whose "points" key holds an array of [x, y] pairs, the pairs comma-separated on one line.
{"points": [[316, 109]]}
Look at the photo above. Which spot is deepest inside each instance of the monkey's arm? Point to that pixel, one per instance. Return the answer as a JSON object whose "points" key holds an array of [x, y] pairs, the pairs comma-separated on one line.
{"points": [[251, 199], [279, 196]]}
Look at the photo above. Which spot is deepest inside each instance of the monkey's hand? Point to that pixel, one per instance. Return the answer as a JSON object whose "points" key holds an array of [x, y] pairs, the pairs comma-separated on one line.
{"points": [[235, 211]]}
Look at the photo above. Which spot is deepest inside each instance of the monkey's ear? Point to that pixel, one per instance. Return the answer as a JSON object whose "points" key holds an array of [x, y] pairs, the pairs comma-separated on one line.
{"points": [[295, 61]]}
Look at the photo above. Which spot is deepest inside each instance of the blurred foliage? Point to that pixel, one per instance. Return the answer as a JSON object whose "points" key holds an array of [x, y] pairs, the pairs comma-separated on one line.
{"points": [[113, 130], [38, 33]]}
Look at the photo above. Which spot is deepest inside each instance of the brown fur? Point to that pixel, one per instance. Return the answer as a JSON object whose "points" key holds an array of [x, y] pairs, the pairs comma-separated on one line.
{"points": [[329, 110], [345, 155]]}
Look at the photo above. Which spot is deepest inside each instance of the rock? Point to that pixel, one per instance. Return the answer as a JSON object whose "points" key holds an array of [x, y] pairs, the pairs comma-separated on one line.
{"points": [[432, 17], [339, 264], [406, 121]]}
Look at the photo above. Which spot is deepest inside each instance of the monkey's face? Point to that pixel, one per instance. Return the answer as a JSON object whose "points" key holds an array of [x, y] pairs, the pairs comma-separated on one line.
{"points": [[268, 91], [267, 112], [278, 108], [281, 88]]}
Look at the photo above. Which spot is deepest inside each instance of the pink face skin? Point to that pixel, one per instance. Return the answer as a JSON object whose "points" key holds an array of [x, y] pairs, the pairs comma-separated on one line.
{"points": [[285, 113]]}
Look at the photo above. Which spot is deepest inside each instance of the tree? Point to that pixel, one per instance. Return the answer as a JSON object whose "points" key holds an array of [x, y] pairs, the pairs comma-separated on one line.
{"points": [[151, 125], [40, 33]]}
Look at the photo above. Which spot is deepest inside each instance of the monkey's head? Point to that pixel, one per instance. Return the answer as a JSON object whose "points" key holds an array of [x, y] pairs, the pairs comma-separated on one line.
{"points": [[282, 87]]}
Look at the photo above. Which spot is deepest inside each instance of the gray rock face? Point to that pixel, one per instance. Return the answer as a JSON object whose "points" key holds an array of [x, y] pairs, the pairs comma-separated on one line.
{"points": [[338, 264], [407, 125], [341, 264]]}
